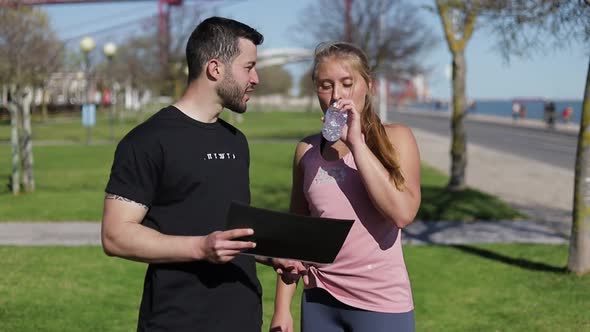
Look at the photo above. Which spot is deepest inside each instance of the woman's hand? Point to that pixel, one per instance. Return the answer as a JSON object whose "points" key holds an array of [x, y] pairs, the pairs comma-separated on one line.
{"points": [[281, 322], [352, 133], [291, 270]]}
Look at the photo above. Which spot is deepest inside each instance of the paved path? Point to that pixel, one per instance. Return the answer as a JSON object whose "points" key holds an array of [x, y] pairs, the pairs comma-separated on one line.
{"points": [[553, 147], [50, 233], [542, 191], [442, 232]]}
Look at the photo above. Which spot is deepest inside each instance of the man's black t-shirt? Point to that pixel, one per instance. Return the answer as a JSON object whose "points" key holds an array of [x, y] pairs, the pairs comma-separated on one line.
{"points": [[187, 173]]}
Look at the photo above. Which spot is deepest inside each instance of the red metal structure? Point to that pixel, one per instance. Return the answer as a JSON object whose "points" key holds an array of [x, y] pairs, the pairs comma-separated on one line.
{"points": [[163, 17], [348, 21], [164, 28]]}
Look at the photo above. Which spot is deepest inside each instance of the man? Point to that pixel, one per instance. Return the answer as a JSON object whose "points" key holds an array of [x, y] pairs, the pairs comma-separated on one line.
{"points": [[172, 180]]}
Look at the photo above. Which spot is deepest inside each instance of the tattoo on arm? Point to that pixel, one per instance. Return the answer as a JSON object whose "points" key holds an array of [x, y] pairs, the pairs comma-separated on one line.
{"points": [[121, 198]]}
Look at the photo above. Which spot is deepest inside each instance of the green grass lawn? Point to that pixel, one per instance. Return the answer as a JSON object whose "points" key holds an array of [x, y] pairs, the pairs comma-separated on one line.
{"points": [[71, 177], [456, 288], [70, 182], [68, 127]]}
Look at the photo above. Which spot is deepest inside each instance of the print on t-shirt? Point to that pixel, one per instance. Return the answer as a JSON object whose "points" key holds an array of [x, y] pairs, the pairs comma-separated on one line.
{"points": [[219, 156], [330, 174]]}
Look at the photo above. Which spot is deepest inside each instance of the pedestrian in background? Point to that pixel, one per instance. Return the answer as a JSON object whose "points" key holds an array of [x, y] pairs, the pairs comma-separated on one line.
{"points": [[549, 113], [516, 110], [566, 114]]}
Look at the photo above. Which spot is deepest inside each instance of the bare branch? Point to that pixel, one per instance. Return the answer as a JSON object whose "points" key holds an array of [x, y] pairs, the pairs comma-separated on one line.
{"points": [[29, 48], [391, 32]]}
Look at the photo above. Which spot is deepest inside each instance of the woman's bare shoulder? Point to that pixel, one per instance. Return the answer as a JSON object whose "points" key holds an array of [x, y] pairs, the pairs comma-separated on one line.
{"points": [[398, 131], [305, 144]]}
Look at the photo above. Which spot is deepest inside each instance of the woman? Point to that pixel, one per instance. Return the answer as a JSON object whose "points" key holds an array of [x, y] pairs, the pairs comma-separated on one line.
{"points": [[371, 175]]}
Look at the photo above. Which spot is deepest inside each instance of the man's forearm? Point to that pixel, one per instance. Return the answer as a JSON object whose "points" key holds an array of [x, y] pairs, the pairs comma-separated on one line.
{"points": [[139, 243]]}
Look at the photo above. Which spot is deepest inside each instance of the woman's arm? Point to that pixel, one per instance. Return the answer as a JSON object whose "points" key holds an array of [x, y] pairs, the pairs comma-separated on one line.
{"points": [[282, 319], [399, 206]]}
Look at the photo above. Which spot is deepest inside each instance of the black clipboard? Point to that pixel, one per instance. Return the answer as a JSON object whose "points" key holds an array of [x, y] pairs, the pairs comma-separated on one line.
{"points": [[291, 236]]}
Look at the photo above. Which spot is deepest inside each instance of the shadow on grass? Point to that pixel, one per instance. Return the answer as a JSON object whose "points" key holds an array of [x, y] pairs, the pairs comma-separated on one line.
{"points": [[5, 184], [518, 262], [440, 204]]}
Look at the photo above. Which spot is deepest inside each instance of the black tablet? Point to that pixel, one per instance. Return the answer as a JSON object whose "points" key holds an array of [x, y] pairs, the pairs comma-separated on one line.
{"points": [[286, 235]]}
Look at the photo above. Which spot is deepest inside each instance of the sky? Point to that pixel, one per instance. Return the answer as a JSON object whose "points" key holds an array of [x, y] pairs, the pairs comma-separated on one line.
{"points": [[556, 74]]}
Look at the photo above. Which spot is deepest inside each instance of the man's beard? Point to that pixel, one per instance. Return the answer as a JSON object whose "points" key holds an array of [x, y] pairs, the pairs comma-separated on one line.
{"points": [[231, 95]]}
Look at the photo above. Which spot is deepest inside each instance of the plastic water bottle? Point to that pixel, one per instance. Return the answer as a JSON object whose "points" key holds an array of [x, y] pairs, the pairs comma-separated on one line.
{"points": [[334, 121]]}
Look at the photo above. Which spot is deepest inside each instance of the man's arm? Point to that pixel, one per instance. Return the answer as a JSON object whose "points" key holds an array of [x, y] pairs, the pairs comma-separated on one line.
{"points": [[123, 235]]}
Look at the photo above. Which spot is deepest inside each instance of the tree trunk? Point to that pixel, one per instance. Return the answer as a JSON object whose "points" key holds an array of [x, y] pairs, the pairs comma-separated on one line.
{"points": [[15, 176], [21, 132], [579, 253], [44, 111], [4, 94], [459, 140], [27, 143]]}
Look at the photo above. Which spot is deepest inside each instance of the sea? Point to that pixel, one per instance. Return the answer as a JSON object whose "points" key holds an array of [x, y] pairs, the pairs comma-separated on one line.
{"points": [[503, 108]]}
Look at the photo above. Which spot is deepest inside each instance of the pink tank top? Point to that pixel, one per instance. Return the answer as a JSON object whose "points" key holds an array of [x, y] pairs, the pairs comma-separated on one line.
{"points": [[369, 271]]}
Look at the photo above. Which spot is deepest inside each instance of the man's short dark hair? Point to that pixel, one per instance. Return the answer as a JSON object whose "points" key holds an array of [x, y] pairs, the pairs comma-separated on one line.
{"points": [[216, 37]]}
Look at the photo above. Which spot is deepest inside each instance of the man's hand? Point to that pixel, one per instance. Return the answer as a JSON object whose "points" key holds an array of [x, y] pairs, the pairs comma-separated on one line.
{"points": [[220, 247], [290, 270]]}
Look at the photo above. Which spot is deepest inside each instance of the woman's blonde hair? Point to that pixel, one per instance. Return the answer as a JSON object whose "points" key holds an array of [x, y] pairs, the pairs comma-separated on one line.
{"points": [[372, 128]]}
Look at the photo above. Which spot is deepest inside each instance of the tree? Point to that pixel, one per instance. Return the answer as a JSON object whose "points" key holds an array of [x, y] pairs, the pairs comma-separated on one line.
{"points": [[566, 21], [306, 87], [274, 80], [389, 31], [579, 253], [528, 26], [458, 20], [29, 51], [29, 48], [522, 27], [516, 24], [182, 20], [137, 62]]}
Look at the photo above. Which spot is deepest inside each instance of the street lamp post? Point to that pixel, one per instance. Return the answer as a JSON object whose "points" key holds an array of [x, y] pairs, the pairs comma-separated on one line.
{"points": [[110, 49], [87, 44]]}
